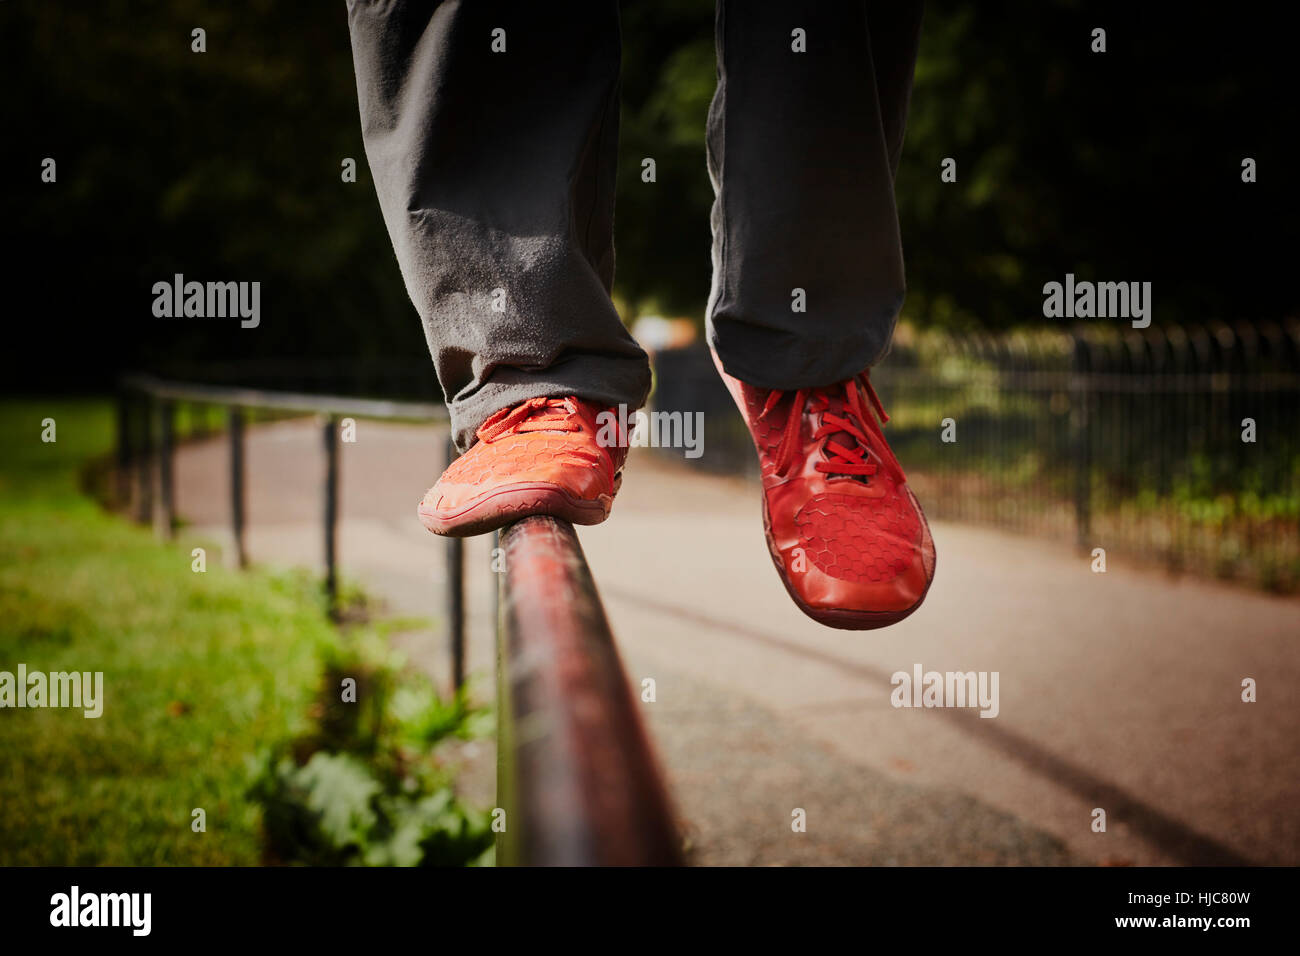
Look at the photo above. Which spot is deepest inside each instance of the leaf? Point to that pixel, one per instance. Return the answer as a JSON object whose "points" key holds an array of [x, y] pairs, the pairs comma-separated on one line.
{"points": [[340, 791]]}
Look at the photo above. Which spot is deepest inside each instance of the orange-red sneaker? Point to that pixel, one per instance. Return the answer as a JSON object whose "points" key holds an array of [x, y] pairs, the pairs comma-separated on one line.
{"points": [[539, 457], [846, 533]]}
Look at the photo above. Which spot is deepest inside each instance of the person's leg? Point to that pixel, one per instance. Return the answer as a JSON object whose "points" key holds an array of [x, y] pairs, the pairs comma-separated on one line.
{"points": [[803, 148], [493, 156], [804, 138]]}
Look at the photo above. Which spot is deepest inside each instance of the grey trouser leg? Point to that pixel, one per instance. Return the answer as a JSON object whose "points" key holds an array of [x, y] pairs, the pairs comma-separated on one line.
{"points": [[495, 174], [803, 149]]}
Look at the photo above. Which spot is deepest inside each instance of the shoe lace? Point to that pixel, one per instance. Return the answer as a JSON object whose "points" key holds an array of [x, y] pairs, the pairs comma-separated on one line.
{"points": [[848, 431], [534, 415]]}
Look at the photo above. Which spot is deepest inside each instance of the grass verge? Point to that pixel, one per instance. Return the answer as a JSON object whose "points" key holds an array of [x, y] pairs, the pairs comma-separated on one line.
{"points": [[200, 670]]}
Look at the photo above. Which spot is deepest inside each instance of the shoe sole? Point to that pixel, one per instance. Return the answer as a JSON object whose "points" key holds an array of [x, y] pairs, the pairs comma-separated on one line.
{"points": [[503, 506], [846, 619]]}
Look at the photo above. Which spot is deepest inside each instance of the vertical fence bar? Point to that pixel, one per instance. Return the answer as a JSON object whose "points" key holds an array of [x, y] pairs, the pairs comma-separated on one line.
{"points": [[144, 461], [331, 436], [165, 511], [237, 557], [125, 449], [455, 593], [1082, 459]]}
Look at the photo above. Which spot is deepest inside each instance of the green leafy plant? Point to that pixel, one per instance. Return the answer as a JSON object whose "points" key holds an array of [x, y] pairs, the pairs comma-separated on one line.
{"points": [[366, 785]]}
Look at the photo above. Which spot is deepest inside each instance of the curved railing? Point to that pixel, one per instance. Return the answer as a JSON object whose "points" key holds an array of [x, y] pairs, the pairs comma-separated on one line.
{"points": [[576, 775]]}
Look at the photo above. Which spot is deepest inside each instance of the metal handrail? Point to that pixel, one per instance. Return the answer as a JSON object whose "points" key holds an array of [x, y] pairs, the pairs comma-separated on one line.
{"points": [[335, 405], [576, 775], [153, 459], [575, 772]]}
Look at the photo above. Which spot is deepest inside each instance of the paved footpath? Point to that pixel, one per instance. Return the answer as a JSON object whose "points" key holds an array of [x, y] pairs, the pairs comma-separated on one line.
{"points": [[1119, 691]]}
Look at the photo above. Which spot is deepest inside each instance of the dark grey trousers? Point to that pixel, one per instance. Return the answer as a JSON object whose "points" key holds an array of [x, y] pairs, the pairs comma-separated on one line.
{"points": [[491, 130]]}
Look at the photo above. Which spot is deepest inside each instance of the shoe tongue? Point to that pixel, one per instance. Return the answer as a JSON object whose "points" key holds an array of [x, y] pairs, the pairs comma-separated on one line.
{"points": [[554, 409]]}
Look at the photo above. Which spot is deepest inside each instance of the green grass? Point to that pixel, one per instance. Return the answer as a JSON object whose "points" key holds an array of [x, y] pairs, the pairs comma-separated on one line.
{"points": [[201, 670]]}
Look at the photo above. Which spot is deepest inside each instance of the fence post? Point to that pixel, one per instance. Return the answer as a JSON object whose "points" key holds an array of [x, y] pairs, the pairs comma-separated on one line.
{"points": [[456, 593], [331, 514], [144, 460], [125, 449], [1079, 402], [165, 513], [237, 557]]}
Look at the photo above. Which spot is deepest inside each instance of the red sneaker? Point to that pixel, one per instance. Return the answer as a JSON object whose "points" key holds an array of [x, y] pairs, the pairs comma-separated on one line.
{"points": [[846, 533], [539, 457]]}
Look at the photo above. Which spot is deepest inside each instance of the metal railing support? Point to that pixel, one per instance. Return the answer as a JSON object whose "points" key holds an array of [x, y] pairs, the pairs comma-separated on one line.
{"points": [[144, 460], [125, 448], [331, 436], [1080, 401], [576, 775], [165, 509], [237, 557]]}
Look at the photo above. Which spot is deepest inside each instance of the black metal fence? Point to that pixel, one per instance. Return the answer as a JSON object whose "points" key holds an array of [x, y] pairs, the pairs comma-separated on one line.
{"points": [[1180, 447]]}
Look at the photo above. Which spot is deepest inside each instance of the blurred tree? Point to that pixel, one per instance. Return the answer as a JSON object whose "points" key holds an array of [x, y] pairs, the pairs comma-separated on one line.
{"points": [[1123, 165], [219, 165], [662, 238]]}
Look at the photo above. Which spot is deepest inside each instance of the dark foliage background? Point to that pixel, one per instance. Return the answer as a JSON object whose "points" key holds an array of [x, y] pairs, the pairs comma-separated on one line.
{"points": [[1122, 166]]}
